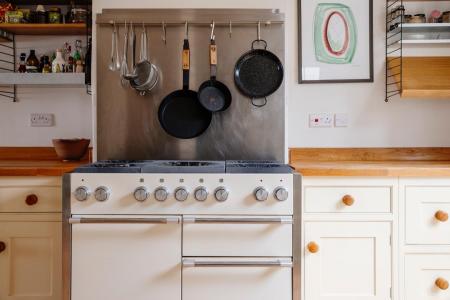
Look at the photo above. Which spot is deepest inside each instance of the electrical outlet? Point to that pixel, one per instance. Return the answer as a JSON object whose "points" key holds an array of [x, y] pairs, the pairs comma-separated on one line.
{"points": [[341, 120], [320, 120], [41, 120]]}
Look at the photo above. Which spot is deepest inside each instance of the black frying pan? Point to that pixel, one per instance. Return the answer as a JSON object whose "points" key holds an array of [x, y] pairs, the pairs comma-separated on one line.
{"points": [[181, 115], [258, 73], [213, 94]]}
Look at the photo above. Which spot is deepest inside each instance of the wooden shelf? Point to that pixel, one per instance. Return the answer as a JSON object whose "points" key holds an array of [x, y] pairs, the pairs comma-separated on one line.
{"points": [[35, 79], [423, 77], [44, 29]]}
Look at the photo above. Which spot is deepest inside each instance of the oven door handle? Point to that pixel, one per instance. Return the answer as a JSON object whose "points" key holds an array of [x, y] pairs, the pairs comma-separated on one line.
{"points": [[238, 220], [190, 262], [150, 220]]}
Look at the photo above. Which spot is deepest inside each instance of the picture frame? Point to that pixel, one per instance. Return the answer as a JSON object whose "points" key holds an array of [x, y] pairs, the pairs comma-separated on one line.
{"points": [[335, 41]]}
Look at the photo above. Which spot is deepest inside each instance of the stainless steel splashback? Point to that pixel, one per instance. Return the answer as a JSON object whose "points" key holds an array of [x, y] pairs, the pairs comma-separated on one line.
{"points": [[127, 123]]}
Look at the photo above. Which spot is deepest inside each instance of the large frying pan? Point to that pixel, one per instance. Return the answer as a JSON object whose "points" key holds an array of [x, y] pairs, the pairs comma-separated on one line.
{"points": [[213, 94], [180, 114], [258, 73]]}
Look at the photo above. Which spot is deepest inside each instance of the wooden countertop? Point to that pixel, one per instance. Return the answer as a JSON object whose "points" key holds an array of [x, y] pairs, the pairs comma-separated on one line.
{"points": [[392, 162], [35, 161]]}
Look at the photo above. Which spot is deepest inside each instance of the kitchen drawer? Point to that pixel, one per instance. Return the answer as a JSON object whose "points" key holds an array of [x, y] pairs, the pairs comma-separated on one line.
{"points": [[237, 278], [427, 276], [426, 213], [237, 236], [348, 199], [30, 198]]}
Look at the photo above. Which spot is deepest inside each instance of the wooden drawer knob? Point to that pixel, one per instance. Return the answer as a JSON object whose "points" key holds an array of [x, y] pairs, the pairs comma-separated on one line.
{"points": [[313, 247], [441, 216], [348, 200], [31, 199], [441, 283], [2, 247]]}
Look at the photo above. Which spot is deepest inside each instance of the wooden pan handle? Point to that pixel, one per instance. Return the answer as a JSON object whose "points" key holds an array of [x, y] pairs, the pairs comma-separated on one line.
{"points": [[213, 54]]}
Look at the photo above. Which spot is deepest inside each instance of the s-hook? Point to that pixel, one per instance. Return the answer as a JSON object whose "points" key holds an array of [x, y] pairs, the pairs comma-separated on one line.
{"points": [[230, 31], [213, 26], [164, 32]]}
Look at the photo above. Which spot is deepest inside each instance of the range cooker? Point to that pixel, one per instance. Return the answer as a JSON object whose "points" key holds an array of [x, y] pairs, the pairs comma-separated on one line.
{"points": [[172, 230]]}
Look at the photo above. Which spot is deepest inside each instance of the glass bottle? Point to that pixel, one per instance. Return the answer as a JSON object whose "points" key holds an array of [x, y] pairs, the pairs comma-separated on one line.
{"points": [[46, 68], [58, 62], [32, 64], [22, 64], [78, 48]]}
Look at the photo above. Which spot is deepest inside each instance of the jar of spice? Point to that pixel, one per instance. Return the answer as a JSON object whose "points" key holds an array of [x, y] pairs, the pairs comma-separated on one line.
{"points": [[79, 15], [54, 15], [446, 17]]}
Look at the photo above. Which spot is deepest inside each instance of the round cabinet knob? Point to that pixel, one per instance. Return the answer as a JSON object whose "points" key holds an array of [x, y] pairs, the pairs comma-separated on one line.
{"points": [[441, 283], [31, 199], [261, 194], [141, 194], [101, 193], [221, 194], [348, 200], [2, 247], [281, 194], [82, 193], [441, 216], [313, 247], [161, 194], [181, 194], [201, 194]]}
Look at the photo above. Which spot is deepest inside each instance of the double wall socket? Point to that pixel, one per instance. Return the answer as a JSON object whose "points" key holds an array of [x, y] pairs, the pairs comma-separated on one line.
{"points": [[42, 120], [328, 120]]}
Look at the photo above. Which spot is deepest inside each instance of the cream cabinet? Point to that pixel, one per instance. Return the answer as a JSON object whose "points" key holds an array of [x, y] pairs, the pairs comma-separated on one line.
{"points": [[30, 238], [348, 225]]}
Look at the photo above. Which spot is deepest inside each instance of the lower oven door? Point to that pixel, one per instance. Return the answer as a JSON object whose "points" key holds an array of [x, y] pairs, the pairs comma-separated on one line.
{"points": [[119, 258], [237, 278]]}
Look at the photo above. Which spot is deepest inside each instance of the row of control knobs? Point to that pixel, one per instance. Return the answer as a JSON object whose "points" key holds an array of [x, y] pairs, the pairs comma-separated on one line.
{"points": [[141, 194]]}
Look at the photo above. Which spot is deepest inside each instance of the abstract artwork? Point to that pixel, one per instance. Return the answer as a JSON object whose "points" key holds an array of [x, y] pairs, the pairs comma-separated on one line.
{"points": [[335, 41]]}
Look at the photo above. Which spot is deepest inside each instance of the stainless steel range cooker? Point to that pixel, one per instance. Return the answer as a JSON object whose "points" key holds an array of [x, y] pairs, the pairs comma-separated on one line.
{"points": [[172, 230]]}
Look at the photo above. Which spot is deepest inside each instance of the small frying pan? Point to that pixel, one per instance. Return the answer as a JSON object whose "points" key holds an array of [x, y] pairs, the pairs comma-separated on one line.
{"points": [[258, 73], [180, 114], [213, 94]]}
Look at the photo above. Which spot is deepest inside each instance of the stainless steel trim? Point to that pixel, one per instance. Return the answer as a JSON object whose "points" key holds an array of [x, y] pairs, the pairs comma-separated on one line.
{"points": [[208, 24], [238, 220], [190, 262], [150, 220]]}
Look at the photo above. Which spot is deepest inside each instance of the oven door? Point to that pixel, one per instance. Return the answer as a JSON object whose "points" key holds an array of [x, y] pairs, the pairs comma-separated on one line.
{"points": [[237, 278], [126, 257]]}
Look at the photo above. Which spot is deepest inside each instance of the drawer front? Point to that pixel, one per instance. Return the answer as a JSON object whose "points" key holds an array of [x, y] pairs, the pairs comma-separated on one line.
{"points": [[347, 199], [427, 276], [228, 237], [224, 282], [30, 199], [426, 211]]}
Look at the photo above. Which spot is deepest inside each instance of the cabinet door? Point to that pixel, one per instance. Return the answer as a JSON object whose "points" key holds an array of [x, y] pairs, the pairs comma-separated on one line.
{"points": [[30, 264], [347, 260]]}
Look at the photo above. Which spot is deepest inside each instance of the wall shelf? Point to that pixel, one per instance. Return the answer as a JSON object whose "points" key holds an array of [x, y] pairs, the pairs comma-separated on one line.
{"points": [[431, 41], [44, 29], [36, 79]]}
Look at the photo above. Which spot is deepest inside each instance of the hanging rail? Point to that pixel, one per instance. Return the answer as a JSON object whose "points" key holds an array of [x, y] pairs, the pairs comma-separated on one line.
{"points": [[200, 24]]}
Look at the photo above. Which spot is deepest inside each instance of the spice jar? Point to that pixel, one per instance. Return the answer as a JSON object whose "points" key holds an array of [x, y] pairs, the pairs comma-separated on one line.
{"points": [[446, 17], [419, 18], [79, 15], [54, 15]]}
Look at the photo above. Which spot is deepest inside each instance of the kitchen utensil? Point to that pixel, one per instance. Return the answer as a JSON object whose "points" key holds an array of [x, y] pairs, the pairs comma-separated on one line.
{"points": [[180, 113], [124, 63], [71, 149], [213, 94], [112, 64], [116, 39], [132, 45], [258, 73], [145, 74]]}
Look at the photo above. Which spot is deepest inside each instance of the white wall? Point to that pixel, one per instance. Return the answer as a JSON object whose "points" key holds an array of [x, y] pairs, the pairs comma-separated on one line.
{"points": [[373, 123]]}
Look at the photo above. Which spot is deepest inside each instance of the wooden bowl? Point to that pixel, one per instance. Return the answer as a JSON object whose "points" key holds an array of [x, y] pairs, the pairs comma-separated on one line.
{"points": [[71, 149]]}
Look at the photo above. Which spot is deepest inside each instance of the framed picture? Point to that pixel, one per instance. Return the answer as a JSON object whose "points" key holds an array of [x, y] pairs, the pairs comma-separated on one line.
{"points": [[335, 41]]}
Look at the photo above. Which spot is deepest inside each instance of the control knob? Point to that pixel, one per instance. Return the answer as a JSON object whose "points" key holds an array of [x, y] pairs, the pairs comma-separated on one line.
{"points": [[281, 194], [201, 194], [161, 194], [141, 194], [221, 194], [181, 194], [82, 193], [102, 193], [261, 194]]}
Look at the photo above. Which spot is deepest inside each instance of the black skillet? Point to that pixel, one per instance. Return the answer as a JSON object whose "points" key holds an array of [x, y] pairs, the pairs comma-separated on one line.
{"points": [[180, 114], [258, 73], [213, 94]]}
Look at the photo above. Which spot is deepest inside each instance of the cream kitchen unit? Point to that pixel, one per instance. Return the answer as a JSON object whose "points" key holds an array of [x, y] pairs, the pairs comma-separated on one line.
{"points": [[30, 238], [368, 238]]}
